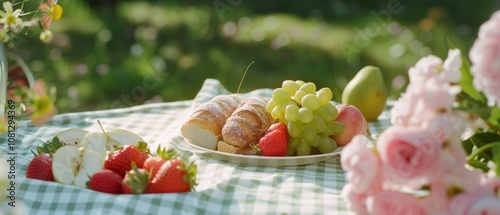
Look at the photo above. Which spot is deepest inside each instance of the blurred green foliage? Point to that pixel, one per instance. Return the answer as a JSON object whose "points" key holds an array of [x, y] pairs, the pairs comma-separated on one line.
{"points": [[110, 54]]}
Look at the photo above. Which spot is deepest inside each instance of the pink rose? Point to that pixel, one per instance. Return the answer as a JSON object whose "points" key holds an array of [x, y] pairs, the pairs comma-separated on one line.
{"points": [[362, 165], [409, 153], [392, 202], [484, 56], [355, 201], [474, 204]]}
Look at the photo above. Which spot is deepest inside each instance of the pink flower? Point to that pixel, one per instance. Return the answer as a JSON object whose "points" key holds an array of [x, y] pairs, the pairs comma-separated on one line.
{"points": [[355, 201], [52, 11], [474, 204], [392, 202], [409, 153], [362, 165], [484, 56], [432, 67]]}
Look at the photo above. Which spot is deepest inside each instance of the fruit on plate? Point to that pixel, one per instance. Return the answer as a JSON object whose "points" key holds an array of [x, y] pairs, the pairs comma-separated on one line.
{"points": [[120, 160], [101, 142], [106, 181], [73, 165], [354, 122], [40, 168], [275, 141], [174, 176], [71, 136], [308, 114], [367, 91]]}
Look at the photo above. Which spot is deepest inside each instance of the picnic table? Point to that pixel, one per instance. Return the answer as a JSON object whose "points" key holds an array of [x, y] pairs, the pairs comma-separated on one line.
{"points": [[223, 187]]}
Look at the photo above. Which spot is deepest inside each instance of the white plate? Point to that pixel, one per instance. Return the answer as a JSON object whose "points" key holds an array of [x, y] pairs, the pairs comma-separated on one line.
{"points": [[255, 160]]}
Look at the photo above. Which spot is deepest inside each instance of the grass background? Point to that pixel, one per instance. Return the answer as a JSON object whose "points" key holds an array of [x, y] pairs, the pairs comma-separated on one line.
{"points": [[110, 54]]}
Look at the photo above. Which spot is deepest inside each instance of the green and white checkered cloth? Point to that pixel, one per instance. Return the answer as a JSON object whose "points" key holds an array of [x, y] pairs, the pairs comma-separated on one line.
{"points": [[223, 187]]}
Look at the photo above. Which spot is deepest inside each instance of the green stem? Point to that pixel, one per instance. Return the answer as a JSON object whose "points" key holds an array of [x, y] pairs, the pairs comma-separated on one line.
{"points": [[481, 149]]}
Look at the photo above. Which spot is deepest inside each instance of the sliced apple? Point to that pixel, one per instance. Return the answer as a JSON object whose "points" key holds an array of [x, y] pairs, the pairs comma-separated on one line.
{"points": [[75, 166], [101, 142], [71, 136]]}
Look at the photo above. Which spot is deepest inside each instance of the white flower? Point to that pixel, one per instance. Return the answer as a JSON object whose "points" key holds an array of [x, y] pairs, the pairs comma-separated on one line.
{"points": [[10, 17]]}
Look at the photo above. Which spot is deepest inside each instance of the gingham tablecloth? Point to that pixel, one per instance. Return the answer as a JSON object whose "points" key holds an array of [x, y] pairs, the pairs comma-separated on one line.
{"points": [[223, 188]]}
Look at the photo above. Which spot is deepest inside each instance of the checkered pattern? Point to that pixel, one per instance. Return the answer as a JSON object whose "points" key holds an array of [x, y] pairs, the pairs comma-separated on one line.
{"points": [[223, 187]]}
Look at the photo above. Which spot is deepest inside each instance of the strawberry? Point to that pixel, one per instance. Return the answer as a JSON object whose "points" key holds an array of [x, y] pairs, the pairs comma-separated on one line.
{"points": [[153, 164], [106, 181], [120, 160], [135, 181], [274, 143], [277, 126], [40, 168], [174, 176]]}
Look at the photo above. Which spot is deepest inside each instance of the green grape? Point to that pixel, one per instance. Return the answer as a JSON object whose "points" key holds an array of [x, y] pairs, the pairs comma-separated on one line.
{"points": [[318, 123], [327, 145], [333, 109], [294, 128], [290, 151], [325, 95], [327, 113], [291, 112], [328, 129], [311, 102], [338, 127], [280, 95], [300, 82], [309, 87], [308, 132], [303, 148], [293, 142], [271, 104], [290, 86], [278, 112], [305, 115], [315, 142], [299, 95]]}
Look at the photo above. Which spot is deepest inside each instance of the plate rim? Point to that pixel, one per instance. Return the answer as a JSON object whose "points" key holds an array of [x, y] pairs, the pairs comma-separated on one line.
{"points": [[264, 158]]}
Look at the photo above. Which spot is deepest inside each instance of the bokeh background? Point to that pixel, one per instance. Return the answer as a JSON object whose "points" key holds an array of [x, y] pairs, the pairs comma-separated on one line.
{"points": [[119, 53]]}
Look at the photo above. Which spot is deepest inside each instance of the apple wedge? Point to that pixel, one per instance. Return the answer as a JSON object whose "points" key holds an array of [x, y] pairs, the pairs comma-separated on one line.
{"points": [[74, 166], [101, 142], [71, 136]]}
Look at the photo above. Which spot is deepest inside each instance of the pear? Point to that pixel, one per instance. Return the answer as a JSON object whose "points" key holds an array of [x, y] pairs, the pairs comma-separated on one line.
{"points": [[367, 92]]}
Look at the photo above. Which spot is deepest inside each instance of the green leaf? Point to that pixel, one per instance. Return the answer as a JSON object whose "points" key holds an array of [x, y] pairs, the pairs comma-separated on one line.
{"points": [[495, 117], [466, 80], [496, 158], [468, 146], [479, 165], [479, 140]]}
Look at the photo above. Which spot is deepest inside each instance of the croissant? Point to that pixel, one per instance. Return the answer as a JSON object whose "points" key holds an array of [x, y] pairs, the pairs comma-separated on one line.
{"points": [[204, 125], [245, 126]]}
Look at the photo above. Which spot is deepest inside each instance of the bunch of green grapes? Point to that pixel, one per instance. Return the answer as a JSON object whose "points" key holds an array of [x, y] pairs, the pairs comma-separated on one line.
{"points": [[309, 115]]}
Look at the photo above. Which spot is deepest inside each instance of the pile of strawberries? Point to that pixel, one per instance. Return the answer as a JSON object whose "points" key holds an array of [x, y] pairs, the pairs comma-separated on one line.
{"points": [[131, 169]]}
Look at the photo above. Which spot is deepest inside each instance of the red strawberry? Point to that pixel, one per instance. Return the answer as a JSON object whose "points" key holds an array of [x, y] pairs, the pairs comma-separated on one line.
{"points": [[120, 160], [174, 176], [275, 143], [106, 181], [135, 181], [277, 126], [153, 164], [40, 168]]}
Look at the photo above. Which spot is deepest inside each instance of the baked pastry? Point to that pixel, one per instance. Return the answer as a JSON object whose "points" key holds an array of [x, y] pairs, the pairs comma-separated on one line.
{"points": [[204, 125], [246, 125]]}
